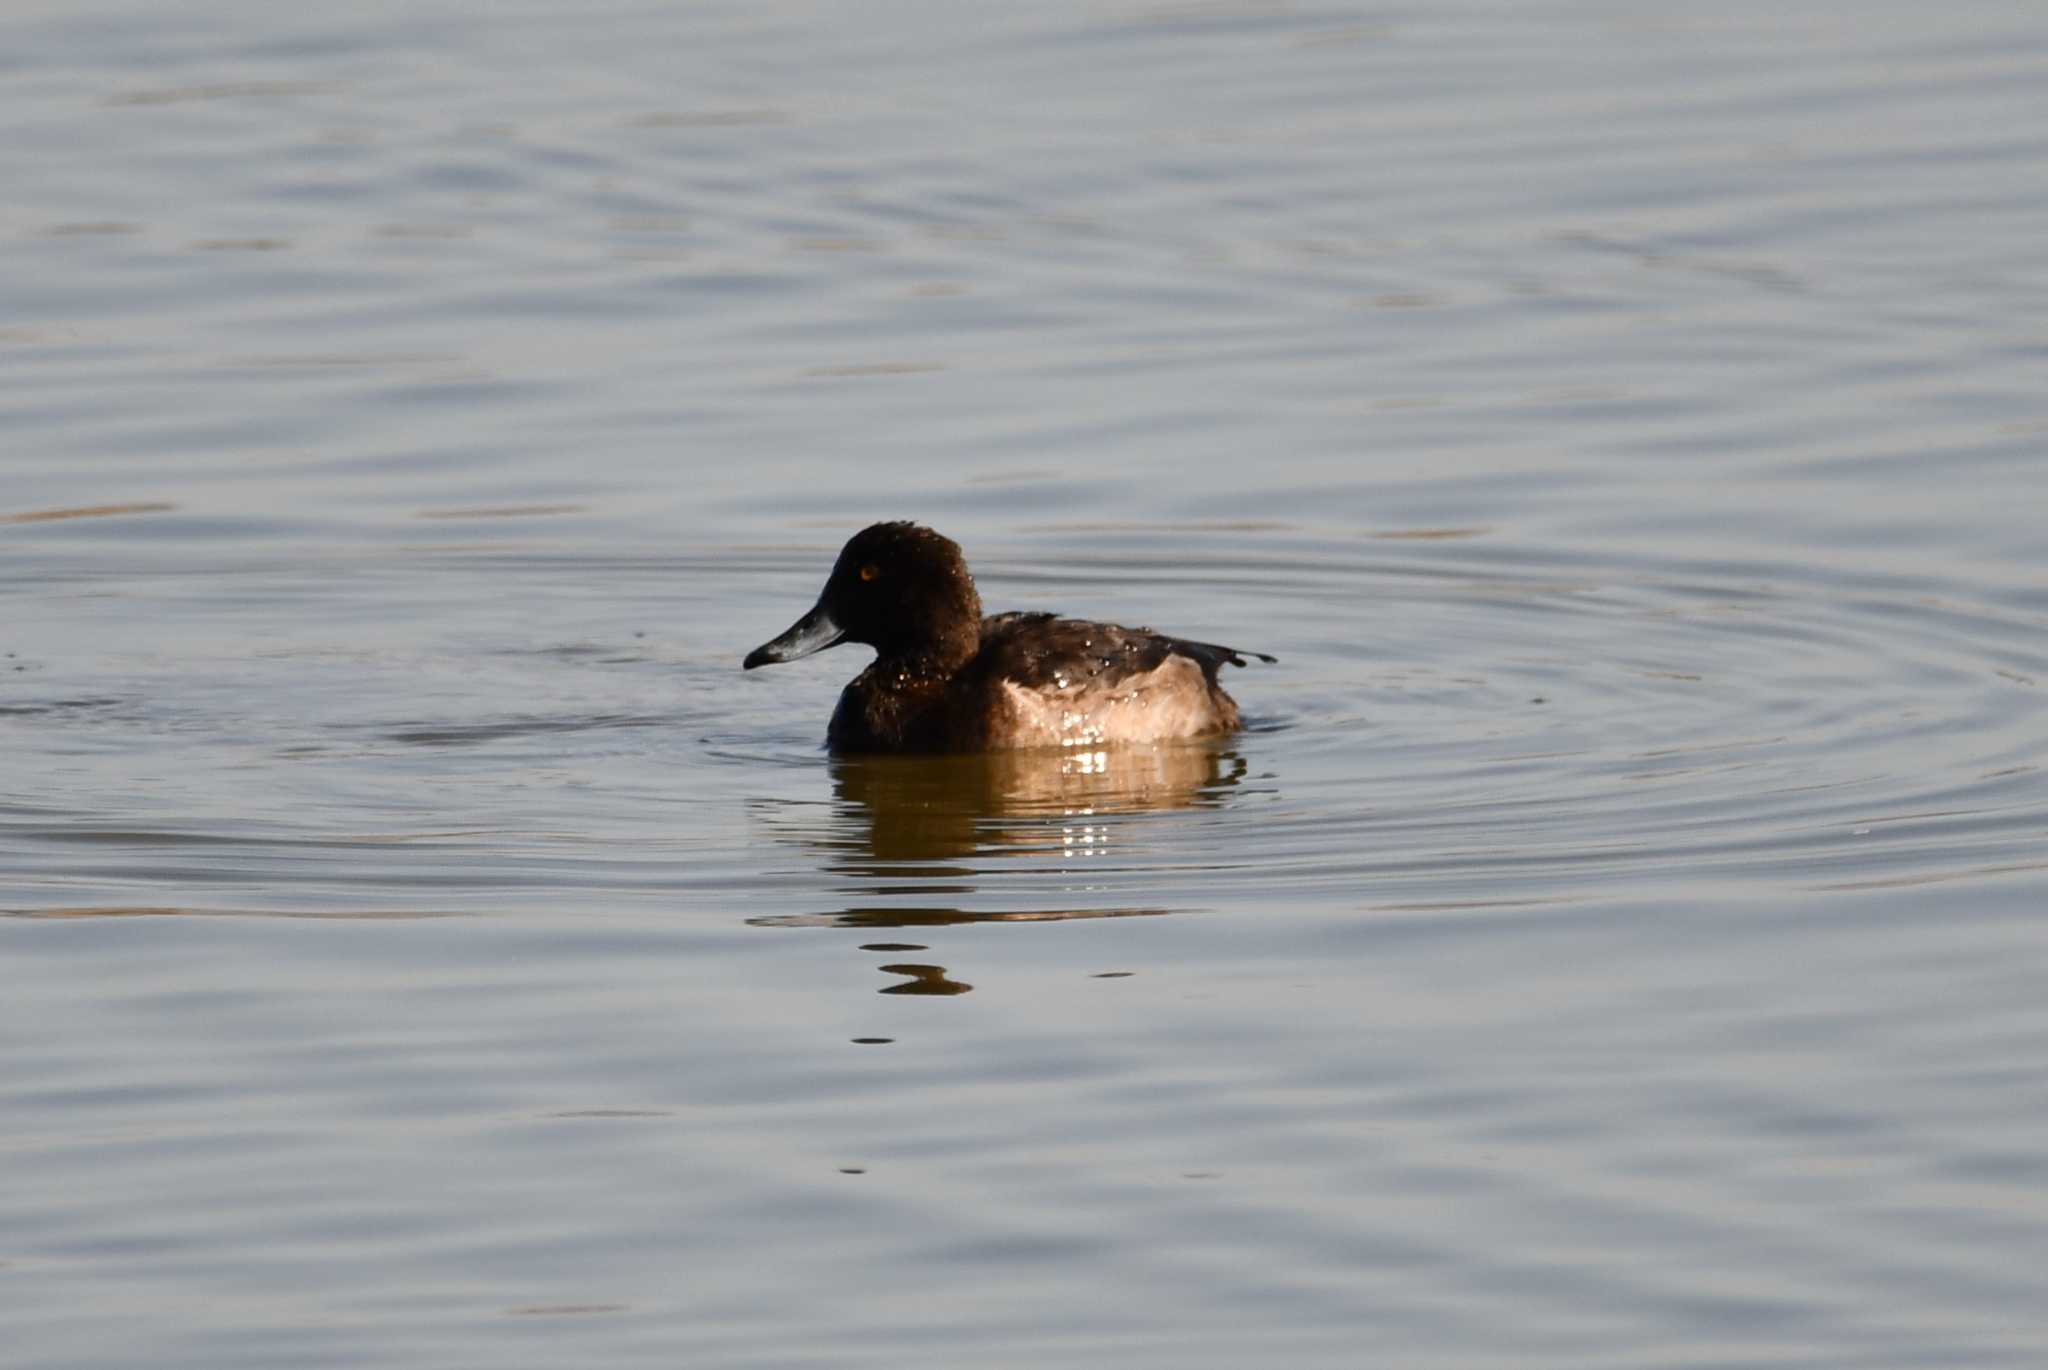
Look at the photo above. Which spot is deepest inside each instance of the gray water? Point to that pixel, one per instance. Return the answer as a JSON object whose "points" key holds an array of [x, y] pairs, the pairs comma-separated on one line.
{"points": [[1616, 940]]}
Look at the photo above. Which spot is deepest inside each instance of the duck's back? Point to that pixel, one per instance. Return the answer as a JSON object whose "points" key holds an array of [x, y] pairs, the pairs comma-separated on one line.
{"points": [[1050, 681]]}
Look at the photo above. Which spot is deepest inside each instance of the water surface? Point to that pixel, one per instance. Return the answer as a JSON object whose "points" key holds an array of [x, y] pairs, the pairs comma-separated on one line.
{"points": [[1615, 939]]}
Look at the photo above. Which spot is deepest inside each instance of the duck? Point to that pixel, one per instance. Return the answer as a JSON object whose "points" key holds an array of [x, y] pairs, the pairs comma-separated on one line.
{"points": [[947, 678]]}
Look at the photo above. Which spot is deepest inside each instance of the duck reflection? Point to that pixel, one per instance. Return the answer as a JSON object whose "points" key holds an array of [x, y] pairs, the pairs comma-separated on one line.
{"points": [[923, 980], [914, 838], [903, 811]]}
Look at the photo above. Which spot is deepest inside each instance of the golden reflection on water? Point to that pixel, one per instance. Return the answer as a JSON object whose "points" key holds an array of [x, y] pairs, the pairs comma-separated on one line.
{"points": [[895, 811], [89, 511], [923, 980], [916, 834]]}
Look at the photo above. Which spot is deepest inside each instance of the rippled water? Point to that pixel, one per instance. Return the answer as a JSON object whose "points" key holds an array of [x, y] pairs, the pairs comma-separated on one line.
{"points": [[1616, 939]]}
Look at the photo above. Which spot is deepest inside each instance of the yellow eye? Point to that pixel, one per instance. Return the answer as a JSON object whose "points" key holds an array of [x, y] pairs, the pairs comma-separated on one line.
{"points": [[870, 571]]}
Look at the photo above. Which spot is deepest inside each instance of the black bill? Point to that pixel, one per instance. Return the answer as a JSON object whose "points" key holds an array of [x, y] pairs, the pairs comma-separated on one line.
{"points": [[814, 632]]}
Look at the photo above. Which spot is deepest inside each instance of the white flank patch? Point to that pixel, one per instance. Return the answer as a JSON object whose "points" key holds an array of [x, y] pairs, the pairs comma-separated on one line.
{"points": [[1170, 701]]}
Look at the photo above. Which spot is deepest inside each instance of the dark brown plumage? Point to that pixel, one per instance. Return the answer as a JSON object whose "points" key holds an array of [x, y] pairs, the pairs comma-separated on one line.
{"points": [[945, 678]]}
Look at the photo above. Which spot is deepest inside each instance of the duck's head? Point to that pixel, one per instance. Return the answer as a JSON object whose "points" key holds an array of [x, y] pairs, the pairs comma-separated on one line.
{"points": [[898, 587]]}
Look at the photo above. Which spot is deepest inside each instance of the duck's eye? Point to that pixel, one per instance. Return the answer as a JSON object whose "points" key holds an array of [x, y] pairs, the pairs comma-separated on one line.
{"points": [[870, 571]]}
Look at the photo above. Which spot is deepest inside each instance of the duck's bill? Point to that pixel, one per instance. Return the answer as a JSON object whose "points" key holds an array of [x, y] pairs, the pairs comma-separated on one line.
{"points": [[814, 632]]}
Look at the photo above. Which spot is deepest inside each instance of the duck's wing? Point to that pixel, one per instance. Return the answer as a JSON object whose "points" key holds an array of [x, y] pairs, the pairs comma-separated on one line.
{"points": [[1045, 650], [1213, 655]]}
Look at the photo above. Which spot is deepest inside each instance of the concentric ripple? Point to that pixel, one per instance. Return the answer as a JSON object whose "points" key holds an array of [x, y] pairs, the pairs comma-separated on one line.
{"points": [[1524, 736]]}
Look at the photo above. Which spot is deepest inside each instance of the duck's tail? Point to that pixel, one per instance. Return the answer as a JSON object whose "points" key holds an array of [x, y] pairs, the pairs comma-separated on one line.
{"points": [[1214, 656]]}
